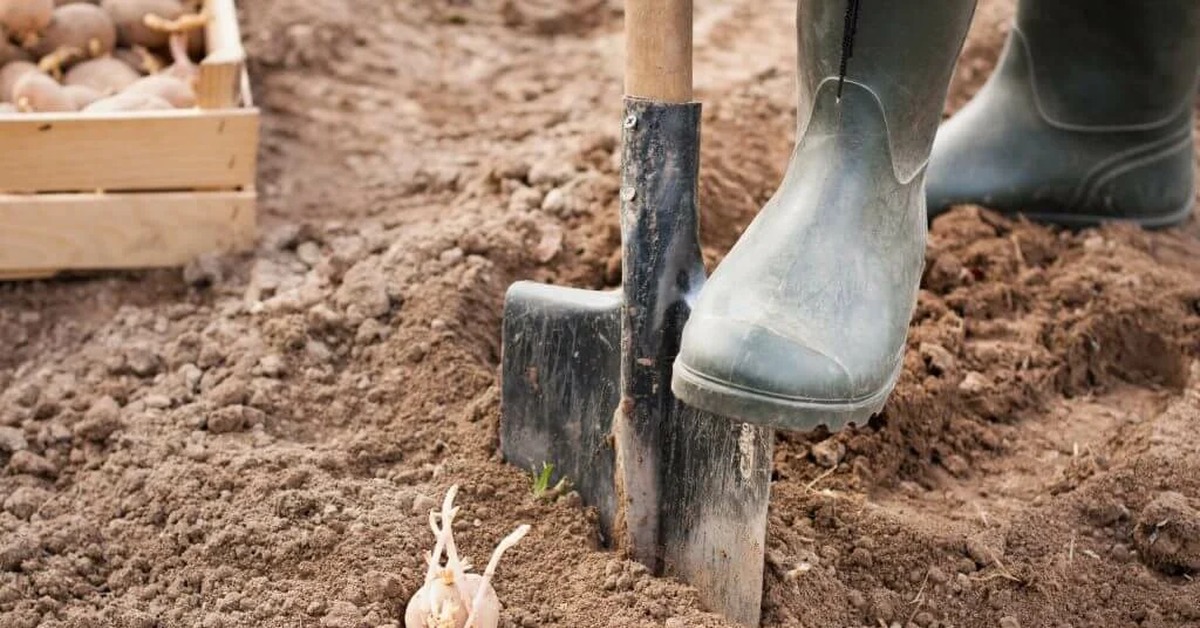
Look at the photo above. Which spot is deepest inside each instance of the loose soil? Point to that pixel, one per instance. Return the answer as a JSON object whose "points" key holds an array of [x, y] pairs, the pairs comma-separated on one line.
{"points": [[257, 441]]}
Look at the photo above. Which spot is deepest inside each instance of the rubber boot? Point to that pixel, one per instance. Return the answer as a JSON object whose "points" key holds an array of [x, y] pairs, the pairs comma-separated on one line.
{"points": [[1087, 118], [804, 322]]}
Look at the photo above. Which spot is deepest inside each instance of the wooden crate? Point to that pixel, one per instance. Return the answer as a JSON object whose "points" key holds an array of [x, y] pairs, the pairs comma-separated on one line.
{"points": [[134, 190]]}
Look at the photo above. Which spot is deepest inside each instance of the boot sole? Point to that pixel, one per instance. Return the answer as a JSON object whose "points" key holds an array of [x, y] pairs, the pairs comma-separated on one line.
{"points": [[1084, 221], [1081, 221], [721, 398]]}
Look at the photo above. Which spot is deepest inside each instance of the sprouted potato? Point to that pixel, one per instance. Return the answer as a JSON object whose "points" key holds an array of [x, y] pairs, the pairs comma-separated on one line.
{"points": [[174, 84], [10, 51], [130, 18], [106, 75], [140, 59], [86, 27], [82, 95], [38, 92], [26, 19], [10, 74], [175, 91], [451, 597]]}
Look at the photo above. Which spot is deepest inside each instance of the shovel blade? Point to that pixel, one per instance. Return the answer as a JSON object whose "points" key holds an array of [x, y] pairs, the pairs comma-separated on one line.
{"points": [[586, 387], [561, 371], [716, 486]]}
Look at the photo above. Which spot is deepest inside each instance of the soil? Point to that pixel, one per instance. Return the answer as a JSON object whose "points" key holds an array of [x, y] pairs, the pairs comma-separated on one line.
{"points": [[257, 440]]}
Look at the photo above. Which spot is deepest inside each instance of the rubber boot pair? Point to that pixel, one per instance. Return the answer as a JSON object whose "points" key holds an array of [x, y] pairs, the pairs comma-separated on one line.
{"points": [[1087, 118]]}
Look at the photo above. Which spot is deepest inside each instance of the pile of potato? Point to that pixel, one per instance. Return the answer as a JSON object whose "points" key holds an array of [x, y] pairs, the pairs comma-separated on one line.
{"points": [[98, 55]]}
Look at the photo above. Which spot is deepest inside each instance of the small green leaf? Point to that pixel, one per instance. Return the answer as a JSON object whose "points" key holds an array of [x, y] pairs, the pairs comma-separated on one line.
{"points": [[541, 480]]}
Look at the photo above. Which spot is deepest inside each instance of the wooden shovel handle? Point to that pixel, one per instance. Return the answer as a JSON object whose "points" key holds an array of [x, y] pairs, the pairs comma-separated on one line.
{"points": [[658, 50]]}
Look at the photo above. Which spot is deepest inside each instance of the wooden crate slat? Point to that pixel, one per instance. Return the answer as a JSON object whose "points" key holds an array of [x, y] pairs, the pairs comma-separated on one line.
{"points": [[13, 275], [129, 151], [221, 72], [219, 85], [54, 232]]}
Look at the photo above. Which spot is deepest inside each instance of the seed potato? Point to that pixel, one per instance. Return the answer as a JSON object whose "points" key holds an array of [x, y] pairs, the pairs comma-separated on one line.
{"points": [[86, 27], [25, 19], [38, 92], [105, 75], [129, 17], [10, 74]]}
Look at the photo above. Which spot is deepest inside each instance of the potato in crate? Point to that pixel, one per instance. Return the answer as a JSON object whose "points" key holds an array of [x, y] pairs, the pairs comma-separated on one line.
{"points": [[129, 135]]}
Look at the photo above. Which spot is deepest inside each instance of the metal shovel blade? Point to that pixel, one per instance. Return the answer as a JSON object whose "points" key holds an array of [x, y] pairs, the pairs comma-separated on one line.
{"points": [[561, 376], [586, 387]]}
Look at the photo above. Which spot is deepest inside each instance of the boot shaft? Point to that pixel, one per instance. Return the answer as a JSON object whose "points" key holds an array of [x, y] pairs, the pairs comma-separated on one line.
{"points": [[1111, 64], [901, 52], [1087, 119]]}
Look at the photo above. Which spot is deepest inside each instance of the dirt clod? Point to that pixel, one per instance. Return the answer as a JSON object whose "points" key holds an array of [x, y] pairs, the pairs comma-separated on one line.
{"points": [[828, 453], [364, 291], [204, 270], [142, 361], [1168, 534], [30, 463], [100, 421], [234, 418], [17, 549], [422, 504], [25, 501], [12, 440]]}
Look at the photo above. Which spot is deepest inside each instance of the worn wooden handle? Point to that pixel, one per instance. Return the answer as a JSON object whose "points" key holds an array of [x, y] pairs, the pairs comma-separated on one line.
{"points": [[658, 50]]}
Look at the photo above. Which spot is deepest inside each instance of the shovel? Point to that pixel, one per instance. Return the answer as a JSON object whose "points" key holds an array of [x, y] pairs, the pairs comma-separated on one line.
{"points": [[586, 375]]}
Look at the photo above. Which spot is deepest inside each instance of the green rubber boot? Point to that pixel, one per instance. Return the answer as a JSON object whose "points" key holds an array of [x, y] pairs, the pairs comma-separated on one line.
{"points": [[804, 323], [1087, 118]]}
